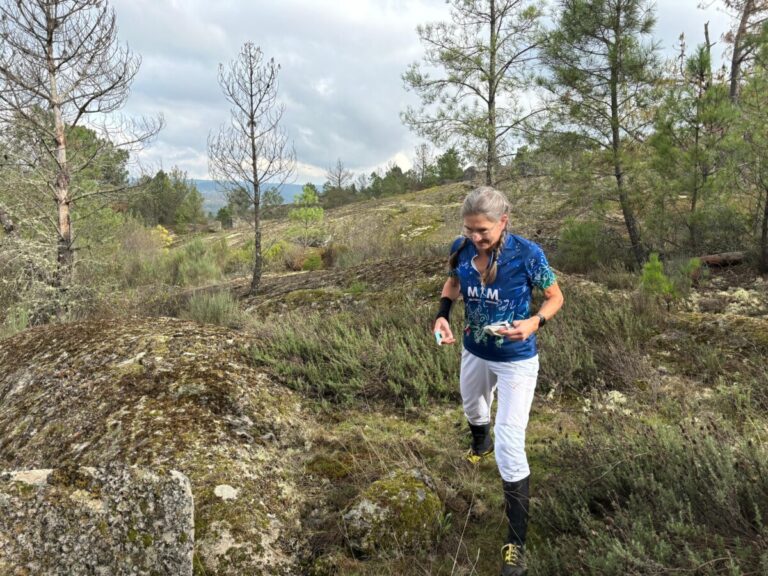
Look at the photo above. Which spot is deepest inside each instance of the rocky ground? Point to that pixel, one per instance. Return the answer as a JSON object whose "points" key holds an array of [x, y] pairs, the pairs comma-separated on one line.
{"points": [[165, 394], [288, 484]]}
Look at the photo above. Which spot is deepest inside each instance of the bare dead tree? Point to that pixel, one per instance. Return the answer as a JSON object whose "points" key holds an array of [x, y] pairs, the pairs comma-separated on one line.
{"points": [[338, 176], [422, 162], [253, 149], [61, 67]]}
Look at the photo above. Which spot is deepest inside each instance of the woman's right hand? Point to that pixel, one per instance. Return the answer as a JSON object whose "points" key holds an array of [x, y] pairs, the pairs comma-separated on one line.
{"points": [[442, 326]]}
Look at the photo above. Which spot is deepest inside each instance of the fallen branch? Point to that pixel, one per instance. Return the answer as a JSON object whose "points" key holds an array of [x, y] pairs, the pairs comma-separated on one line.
{"points": [[723, 259]]}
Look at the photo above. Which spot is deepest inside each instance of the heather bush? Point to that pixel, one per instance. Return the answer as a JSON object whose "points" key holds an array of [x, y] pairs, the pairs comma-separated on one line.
{"points": [[636, 499]]}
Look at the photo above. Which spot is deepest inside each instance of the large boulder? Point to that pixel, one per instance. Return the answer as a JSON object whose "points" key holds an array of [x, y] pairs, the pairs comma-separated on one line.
{"points": [[80, 521], [396, 514], [165, 394]]}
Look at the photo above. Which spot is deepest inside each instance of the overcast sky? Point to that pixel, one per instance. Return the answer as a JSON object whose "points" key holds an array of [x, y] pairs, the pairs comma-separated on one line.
{"points": [[340, 81]]}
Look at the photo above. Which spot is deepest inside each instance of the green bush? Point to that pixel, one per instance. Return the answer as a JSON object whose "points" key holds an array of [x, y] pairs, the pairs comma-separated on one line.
{"points": [[598, 340], [195, 264], [634, 499], [313, 261], [684, 273], [584, 245], [274, 254], [720, 228], [654, 282], [386, 353], [219, 308]]}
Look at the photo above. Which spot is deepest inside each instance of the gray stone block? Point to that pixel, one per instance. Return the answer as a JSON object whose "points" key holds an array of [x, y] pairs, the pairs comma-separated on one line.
{"points": [[108, 521]]}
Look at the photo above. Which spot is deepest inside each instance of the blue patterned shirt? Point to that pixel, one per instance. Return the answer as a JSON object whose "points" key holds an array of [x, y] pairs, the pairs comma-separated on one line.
{"points": [[521, 267]]}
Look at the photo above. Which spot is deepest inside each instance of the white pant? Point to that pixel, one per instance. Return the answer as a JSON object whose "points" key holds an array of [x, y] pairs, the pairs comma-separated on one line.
{"points": [[514, 383]]}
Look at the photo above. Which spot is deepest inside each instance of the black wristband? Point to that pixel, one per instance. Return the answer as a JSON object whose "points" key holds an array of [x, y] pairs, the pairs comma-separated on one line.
{"points": [[445, 308]]}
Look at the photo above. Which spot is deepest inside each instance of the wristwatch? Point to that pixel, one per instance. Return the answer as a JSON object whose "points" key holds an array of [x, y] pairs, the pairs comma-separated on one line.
{"points": [[542, 319]]}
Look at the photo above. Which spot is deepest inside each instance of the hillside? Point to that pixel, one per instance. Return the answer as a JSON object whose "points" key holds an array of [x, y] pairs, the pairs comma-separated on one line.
{"points": [[213, 198], [328, 406]]}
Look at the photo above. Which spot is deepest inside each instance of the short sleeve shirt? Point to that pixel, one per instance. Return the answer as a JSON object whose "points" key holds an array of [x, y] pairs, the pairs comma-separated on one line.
{"points": [[522, 266]]}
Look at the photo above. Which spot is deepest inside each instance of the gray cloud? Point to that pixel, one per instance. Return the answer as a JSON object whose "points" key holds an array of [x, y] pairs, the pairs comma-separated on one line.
{"points": [[340, 77]]}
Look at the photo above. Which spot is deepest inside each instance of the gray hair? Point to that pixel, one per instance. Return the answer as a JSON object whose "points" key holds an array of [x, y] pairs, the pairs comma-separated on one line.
{"points": [[485, 201], [489, 202]]}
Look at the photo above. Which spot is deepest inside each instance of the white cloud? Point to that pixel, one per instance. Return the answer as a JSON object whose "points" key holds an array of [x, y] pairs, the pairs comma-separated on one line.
{"points": [[340, 80], [324, 87]]}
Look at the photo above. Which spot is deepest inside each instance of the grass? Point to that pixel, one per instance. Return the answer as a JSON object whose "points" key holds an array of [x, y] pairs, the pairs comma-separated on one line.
{"points": [[655, 499], [594, 476], [677, 484], [219, 308], [381, 352], [598, 341]]}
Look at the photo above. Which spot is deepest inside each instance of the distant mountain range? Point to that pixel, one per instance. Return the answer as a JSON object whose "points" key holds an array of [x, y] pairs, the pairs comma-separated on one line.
{"points": [[213, 197]]}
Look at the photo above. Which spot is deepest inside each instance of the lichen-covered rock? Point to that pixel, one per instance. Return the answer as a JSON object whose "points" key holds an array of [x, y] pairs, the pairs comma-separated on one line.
{"points": [[396, 514], [114, 521], [165, 394], [732, 301]]}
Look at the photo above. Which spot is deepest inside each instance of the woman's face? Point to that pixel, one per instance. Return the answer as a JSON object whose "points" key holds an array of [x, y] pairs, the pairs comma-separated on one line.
{"points": [[483, 232]]}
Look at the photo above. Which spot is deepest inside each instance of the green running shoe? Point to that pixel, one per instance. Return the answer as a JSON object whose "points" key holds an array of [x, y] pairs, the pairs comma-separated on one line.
{"points": [[513, 560]]}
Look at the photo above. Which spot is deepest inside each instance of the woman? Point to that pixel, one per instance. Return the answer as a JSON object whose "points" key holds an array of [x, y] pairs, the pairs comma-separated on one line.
{"points": [[495, 272]]}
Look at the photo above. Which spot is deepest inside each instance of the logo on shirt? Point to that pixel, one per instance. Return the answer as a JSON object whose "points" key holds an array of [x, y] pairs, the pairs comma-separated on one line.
{"points": [[491, 294]]}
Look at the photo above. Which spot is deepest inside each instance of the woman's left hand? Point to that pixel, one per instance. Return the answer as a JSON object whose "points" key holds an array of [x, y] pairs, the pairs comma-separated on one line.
{"points": [[521, 329]]}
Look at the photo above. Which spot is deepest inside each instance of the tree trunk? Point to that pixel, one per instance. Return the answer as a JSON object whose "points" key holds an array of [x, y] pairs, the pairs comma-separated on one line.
{"points": [[618, 169], [738, 47], [764, 236], [698, 170], [491, 125], [64, 252], [257, 257]]}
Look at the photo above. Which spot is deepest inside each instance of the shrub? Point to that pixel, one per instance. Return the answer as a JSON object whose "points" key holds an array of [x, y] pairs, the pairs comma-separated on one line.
{"points": [[219, 308], [387, 353], [359, 249], [585, 245], [720, 228], [194, 265], [16, 320], [598, 340], [163, 235], [293, 258], [685, 273], [654, 282], [240, 260], [637, 499], [614, 276], [274, 254], [313, 261], [331, 253]]}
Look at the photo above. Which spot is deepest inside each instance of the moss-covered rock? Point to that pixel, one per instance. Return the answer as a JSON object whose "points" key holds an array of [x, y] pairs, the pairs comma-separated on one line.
{"points": [[396, 514], [165, 394]]}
